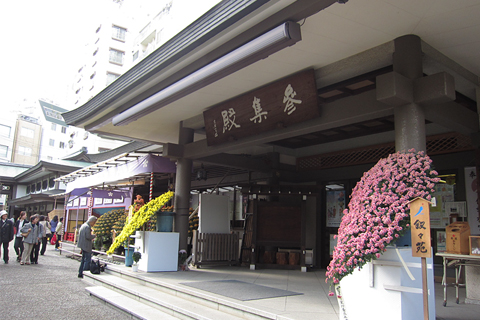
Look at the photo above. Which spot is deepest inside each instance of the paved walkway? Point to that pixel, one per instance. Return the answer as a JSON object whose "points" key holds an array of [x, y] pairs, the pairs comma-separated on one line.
{"points": [[48, 290], [51, 290]]}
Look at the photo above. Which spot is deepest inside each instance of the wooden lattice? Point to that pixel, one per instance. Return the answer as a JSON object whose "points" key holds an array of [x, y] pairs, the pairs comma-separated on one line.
{"points": [[438, 144]]}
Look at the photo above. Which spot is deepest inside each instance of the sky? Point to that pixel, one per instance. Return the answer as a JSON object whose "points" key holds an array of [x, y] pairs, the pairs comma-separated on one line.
{"points": [[41, 42]]}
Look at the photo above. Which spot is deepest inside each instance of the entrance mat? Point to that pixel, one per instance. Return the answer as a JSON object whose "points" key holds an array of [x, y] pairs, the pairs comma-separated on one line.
{"points": [[240, 290]]}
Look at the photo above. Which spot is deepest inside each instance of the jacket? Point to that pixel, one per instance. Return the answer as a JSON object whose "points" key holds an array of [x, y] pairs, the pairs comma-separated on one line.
{"points": [[6, 230], [46, 228], [34, 236], [18, 227], [85, 237], [59, 229]]}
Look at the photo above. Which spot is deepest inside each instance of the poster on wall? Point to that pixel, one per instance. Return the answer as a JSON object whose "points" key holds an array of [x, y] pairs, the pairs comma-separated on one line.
{"points": [[441, 241], [438, 216], [472, 200], [335, 207], [98, 200], [83, 201], [107, 200]]}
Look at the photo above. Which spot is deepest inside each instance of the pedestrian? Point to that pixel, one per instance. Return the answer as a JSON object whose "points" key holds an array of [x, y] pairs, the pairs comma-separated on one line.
{"points": [[6, 233], [47, 232], [36, 246], [85, 238], [59, 232], [32, 237], [53, 224], [18, 245]]}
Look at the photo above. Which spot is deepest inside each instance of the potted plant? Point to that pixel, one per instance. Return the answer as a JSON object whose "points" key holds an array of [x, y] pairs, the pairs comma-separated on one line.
{"points": [[136, 257], [182, 258]]}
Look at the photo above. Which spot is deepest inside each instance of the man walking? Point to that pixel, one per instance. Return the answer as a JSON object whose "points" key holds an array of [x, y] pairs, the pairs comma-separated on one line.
{"points": [[6, 233], [85, 238]]}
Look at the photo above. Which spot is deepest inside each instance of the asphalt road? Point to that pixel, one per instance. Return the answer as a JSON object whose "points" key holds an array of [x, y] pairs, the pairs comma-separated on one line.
{"points": [[48, 290]]}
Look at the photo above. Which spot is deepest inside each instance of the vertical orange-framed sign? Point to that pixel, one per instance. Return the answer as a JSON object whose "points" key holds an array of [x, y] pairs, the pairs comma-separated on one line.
{"points": [[420, 227]]}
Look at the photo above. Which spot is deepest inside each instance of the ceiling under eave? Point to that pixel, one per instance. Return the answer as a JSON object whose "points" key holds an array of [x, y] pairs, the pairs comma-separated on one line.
{"points": [[343, 41]]}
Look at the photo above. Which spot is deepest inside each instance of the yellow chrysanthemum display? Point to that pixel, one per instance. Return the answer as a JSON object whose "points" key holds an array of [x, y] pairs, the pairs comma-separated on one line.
{"points": [[140, 218]]}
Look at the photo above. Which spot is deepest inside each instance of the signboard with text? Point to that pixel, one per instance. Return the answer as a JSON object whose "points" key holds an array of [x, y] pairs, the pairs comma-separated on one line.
{"points": [[280, 104], [420, 227]]}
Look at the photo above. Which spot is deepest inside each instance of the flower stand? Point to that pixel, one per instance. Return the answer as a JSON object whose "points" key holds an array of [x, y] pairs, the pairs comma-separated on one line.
{"points": [[383, 289], [159, 250]]}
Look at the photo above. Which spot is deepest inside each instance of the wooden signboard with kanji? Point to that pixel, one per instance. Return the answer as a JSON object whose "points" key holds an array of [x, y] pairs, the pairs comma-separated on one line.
{"points": [[285, 102], [420, 227]]}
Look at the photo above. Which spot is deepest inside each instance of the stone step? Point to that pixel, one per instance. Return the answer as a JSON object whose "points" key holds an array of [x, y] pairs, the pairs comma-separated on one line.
{"points": [[128, 305], [166, 302], [191, 295]]}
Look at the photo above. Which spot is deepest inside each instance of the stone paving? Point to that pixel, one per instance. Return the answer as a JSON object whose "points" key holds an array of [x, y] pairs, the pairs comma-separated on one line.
{"points": [[48, 290]]}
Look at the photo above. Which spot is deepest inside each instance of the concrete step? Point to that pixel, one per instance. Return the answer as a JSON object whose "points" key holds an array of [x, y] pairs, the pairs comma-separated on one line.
{"points": [[128, 305], [169, 302], [184, 296]]}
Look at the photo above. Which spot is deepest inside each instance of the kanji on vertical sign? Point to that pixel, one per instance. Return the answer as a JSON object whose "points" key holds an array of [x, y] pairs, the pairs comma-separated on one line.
{"points": [[420, 226]]}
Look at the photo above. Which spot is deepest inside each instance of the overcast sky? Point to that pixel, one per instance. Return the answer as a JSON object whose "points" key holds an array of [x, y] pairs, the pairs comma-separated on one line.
{"points": [[41, 40]]}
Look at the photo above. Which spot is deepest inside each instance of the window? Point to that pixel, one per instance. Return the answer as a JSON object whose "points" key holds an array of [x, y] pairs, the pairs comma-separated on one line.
{"points": [[51, 143], [51, 183], [26, 132], [118, 33], [93, 74], [39, 187], [111, 77], [116, 56], [49, 158], [61, 145], [135, 55], [95, 52], [98, 29], [44, 184], [3, 151], [24, 151], [54, 127], [5, 130], [78, 90], [28, 189], [64, 129]]}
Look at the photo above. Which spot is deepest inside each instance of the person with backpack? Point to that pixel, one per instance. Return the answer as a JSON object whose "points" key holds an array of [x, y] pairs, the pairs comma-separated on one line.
{"points": [[85, 238]]}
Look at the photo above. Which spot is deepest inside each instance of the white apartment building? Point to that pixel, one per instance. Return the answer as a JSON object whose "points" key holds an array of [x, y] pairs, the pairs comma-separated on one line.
{"points": [[127, 32], [107, 54]]}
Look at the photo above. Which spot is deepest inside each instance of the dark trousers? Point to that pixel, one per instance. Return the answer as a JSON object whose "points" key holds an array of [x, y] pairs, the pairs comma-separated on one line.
{"points": [[57, 244], [85, 263], [5, 251], [34, 253], [44, 245], [18, 246]]}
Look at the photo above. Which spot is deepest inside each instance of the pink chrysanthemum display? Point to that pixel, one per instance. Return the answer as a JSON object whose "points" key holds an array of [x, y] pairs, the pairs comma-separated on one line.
{"points": [[377, 214]]}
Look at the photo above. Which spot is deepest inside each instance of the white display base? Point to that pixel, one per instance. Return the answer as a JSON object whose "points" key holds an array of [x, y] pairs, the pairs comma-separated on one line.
{"points": [[161, 250], [383, 289]]}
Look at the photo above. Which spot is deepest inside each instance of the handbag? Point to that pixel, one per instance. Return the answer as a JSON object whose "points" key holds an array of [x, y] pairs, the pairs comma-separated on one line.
{"points": [[54, 239], [25, 234]]}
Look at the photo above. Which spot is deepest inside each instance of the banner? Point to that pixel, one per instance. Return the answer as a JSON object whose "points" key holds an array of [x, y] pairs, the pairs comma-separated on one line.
{"points": [[472, 200]]}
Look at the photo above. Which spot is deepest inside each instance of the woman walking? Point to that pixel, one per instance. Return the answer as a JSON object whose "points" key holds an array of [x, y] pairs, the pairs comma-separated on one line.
{"points": [[59, 231], [46, 233], [18, 245], [33, 237]]}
